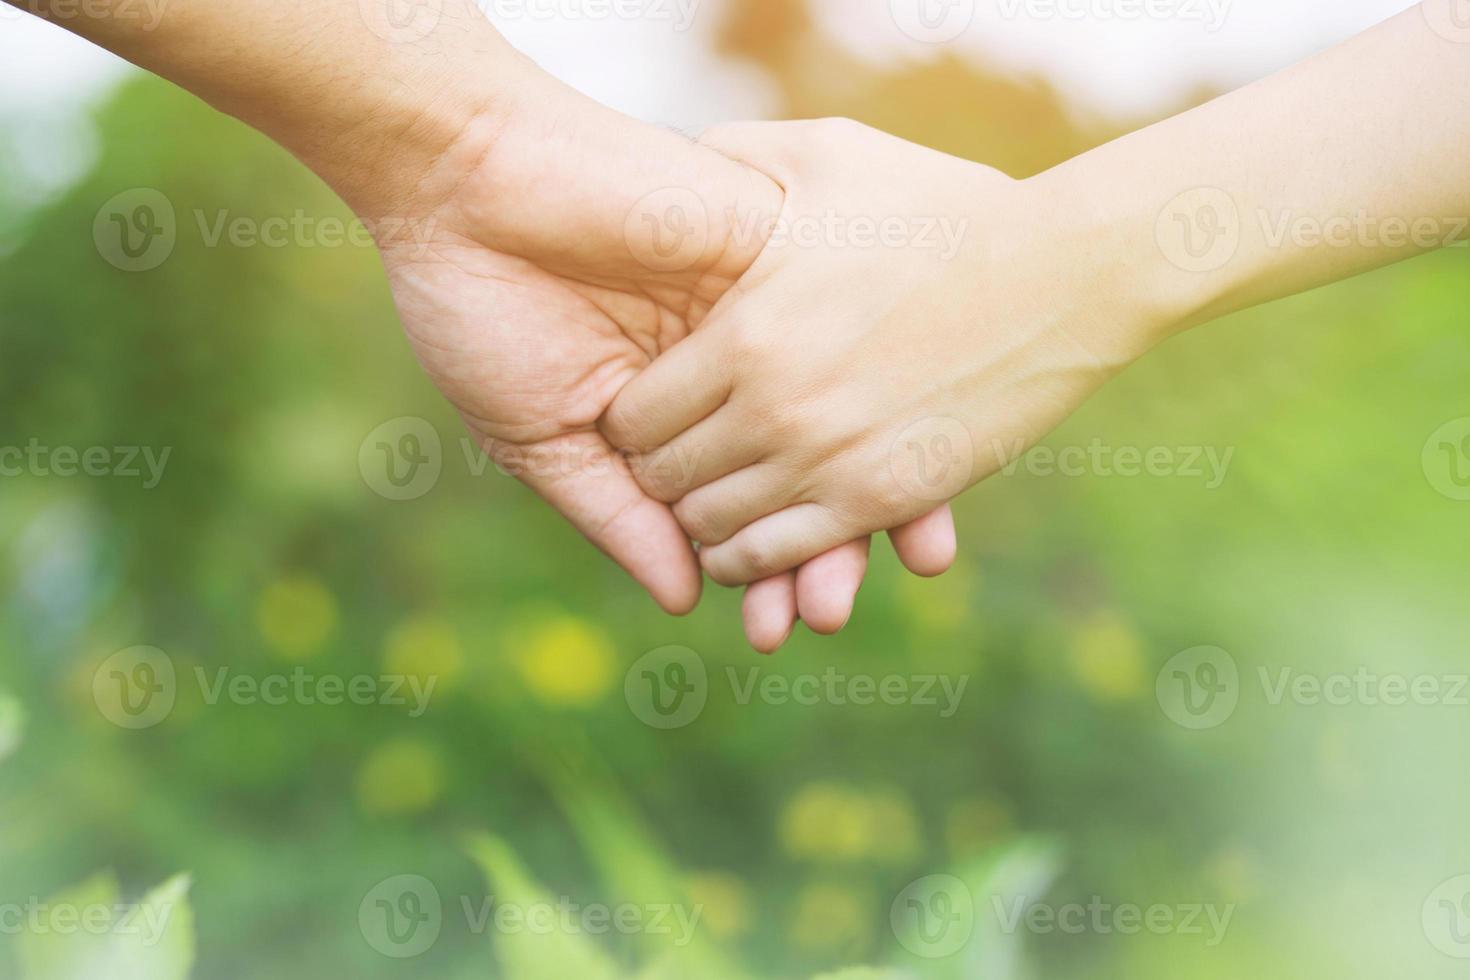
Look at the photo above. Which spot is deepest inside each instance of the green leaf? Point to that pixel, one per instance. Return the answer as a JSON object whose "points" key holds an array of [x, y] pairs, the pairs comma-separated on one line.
{"points": [[12, 725], [524, 953], [628, 857], [85, 933]]}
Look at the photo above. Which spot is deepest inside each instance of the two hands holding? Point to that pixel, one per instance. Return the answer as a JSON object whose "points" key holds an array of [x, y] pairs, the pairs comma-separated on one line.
{"points": [[775, 396], [663, 360]]}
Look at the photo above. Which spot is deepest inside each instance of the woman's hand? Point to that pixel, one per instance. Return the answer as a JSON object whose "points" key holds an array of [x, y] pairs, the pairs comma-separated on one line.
{"points": [[915, 321]]}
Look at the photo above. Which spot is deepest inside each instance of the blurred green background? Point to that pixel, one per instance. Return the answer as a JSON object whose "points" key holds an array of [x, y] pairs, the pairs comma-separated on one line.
{"points": [[793, 829]]}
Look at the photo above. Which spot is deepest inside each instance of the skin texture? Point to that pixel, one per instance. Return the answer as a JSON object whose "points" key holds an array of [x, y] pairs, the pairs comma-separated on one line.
{"points": [[847, 387], [514, 206]]}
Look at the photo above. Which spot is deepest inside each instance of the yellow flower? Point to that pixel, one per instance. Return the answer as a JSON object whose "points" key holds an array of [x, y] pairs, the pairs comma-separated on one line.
{"points": [[723, 901], [563, 660], [400, 777], [830, 917], [1106, 658], [895, 837], [830, 822], [826, 822], [296, 615], [424, 647]]}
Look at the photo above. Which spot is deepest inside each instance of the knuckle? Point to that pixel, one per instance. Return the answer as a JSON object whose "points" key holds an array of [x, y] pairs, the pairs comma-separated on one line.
{"points": [[752, 341], [697, 520], [753, 560], [621, 424]]}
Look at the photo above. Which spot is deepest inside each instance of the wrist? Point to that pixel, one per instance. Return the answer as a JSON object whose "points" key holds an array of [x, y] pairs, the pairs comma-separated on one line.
{"points": [[1142, 285], [393, 138]]}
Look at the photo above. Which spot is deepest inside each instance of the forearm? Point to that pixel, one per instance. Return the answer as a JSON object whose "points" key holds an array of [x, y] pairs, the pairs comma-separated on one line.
{"points": [[1349, 161], [367, 94]]}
